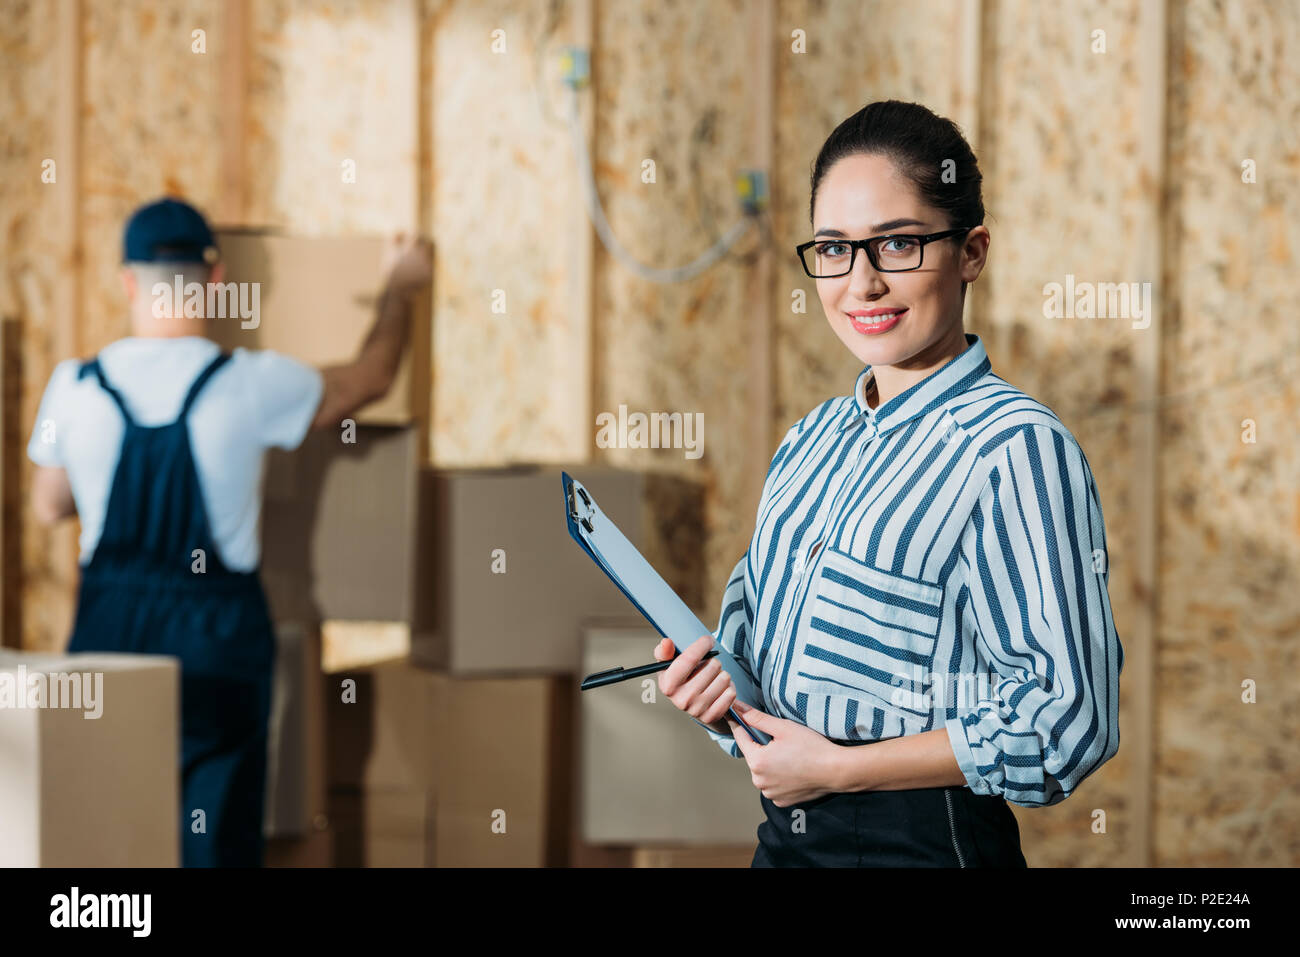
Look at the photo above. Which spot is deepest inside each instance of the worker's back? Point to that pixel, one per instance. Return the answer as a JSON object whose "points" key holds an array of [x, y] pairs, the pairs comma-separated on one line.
{"points": [[258, 399]]}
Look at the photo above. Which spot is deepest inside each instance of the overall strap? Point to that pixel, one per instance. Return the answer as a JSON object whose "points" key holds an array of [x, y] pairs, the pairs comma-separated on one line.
{"points": [[92, 365], [201, 380]]}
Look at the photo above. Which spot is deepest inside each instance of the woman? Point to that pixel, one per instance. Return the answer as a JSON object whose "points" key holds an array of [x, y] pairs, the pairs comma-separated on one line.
{"points": [[928, 571]]}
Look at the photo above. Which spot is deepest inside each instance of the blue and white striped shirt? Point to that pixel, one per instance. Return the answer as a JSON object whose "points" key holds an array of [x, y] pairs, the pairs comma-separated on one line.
{"points": [[939, 561]]}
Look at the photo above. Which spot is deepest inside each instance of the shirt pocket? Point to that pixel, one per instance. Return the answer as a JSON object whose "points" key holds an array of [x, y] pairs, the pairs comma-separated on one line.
{"points": [[869, 633]]}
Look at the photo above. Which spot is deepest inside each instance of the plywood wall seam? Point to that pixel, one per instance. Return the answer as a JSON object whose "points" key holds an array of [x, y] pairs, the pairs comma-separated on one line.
{"points": [[1153, 61], [582, 240], [233, 201], [762, 20], [65, 340]]}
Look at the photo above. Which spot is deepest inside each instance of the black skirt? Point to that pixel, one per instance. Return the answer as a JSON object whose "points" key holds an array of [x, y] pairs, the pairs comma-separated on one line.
{"points": [[924, 827]]}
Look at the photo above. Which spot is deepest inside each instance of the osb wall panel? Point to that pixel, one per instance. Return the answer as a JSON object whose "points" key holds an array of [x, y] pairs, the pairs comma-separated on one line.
{"points": [[1043, 138], [504, 189], [332, 83], [149, 126], [29, 271], [678, 347], [1230, 511], [856, 53], [146, 128]]}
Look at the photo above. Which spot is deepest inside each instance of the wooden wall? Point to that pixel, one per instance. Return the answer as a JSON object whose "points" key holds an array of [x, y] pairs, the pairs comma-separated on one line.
{"points": [[1123, 165]]}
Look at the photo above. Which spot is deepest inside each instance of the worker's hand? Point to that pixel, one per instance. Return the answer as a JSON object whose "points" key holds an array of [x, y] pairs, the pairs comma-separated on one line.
{"points": [[410, 264], [706, 692], [797, 764]]}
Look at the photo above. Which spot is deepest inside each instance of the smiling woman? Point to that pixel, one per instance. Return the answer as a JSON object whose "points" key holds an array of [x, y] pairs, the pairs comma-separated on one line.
{"points": [[935, 528], [901, 183]]}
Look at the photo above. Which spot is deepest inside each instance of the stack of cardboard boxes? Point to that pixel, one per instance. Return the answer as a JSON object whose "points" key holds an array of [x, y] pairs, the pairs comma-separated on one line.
{"points": [[438, 613], [88, 760], [652, 780]]}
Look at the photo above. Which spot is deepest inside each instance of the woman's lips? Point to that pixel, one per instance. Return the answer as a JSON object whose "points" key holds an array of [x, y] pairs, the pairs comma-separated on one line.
{"points": [[876, 324]]}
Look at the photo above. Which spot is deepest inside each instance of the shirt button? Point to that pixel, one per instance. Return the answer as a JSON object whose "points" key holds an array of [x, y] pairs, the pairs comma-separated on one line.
{"points": [[799, 567]]}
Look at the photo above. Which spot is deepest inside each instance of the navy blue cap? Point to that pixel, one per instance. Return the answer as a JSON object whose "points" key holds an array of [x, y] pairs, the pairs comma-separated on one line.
{"points": [[168, 231]]}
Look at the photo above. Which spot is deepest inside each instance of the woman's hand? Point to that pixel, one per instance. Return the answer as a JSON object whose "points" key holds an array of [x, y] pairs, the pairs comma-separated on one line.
{"points": [[798, 764], [706, 694]]}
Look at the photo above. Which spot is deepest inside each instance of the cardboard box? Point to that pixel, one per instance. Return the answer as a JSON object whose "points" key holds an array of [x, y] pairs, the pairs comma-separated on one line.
{"points": [[477, 565], [317, 301], [316, 849], [382, 828], [494, 754], [382, 728], [504, 794], [507, 588], [740, 855], [295, 769], [83, 791], [583, 854], [338, 527], [649, 774]]}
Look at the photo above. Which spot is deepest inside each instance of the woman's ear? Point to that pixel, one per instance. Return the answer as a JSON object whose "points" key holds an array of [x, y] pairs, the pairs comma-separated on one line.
{"points": [[128, 283], [974, 253], [217, 273]]}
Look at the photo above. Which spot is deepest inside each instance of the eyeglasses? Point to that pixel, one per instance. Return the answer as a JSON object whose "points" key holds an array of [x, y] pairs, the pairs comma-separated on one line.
{"points": [[895, 252]]}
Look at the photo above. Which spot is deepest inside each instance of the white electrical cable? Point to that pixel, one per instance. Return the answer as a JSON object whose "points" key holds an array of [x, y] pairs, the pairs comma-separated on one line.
{"points": [[606, 234]]}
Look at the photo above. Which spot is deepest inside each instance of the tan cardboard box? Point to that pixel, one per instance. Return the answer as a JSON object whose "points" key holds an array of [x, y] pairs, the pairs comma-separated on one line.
{"points": [[505, 771], [295, 769], [740, 855], [382, 727], [316, 302], [94, 782], [493, 753], [477, 564], [315, 849], [649, 774], [338, 527], [382, 828], [506, 588]]}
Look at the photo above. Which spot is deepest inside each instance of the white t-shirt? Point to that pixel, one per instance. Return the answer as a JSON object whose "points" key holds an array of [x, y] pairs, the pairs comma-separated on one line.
{"points": [[256, 400]]}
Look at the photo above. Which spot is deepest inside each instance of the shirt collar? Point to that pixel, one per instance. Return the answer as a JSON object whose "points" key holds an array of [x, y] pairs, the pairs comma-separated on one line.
{"points": [[949, 380]]}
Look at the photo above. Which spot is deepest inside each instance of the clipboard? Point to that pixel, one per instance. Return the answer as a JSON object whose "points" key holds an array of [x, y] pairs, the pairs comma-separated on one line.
{"points": [[636, 578]]}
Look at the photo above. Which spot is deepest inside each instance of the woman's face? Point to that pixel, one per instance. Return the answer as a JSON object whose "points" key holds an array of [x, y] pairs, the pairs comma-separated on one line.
{"points": [[865, 195]]}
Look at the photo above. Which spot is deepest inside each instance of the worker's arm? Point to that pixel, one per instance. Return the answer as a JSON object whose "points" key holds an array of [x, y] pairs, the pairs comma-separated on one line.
{"points": [[52, 495], [370, 375]]}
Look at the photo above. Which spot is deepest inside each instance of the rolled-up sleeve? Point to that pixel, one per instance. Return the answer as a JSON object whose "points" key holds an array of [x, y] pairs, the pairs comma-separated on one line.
{"points": [[1040, 616]]}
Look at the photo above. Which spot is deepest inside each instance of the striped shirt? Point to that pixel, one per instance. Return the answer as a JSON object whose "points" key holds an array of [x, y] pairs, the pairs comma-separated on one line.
{"points": [[936, 562]]}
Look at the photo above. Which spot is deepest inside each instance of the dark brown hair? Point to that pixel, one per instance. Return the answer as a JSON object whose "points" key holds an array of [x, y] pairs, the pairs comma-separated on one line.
{"points": [[919, 143]]}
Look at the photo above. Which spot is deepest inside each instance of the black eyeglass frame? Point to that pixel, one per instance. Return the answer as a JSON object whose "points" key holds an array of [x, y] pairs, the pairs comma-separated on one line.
{"points": [[863, 244]]}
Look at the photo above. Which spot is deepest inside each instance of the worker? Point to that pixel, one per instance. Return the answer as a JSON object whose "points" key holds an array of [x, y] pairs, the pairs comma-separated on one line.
{"points": [[157, 444], [923, 605]]}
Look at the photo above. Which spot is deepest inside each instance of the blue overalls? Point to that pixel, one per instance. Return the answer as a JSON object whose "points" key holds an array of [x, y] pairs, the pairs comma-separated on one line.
{"points": [[156, 585]]}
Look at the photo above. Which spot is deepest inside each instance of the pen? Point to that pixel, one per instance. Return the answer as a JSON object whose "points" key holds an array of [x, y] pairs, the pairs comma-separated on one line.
{"points": [[623, 674]]}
